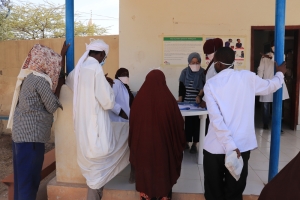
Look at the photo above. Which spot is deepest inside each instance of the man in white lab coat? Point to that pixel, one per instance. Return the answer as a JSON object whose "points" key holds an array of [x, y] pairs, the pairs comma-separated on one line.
{"points": [[102, 147], [266, 71], [230, 98]]}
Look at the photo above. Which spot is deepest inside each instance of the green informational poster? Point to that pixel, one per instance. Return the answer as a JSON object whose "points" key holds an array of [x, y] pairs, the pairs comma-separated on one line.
{"points": [[177, 49]]}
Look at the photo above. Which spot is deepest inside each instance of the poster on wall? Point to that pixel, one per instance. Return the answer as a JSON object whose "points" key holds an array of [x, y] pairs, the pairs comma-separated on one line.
{"points": [[237, 44], [177, 49]]}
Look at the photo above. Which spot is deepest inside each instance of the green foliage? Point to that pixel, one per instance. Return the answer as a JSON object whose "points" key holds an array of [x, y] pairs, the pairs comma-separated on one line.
{"points": [[88, 30], [5, 8], [37, 21]]}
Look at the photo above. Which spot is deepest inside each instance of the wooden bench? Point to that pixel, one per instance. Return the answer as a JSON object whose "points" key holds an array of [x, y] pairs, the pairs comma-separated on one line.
{"points": [[49, 166], [3, 117]]}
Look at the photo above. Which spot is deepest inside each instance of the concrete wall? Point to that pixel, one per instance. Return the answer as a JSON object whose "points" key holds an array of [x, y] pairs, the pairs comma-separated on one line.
{"points": [[144, 23], [13, 54]]}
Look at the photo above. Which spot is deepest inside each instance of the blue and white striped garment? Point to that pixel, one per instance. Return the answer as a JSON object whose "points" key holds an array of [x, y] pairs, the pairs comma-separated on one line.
{"points": [[190, 93]]}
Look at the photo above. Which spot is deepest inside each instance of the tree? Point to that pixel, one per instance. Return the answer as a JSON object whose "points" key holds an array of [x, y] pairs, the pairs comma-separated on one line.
{"points": [[47, 20], [5, 8], [88, 30], [35, 21]]}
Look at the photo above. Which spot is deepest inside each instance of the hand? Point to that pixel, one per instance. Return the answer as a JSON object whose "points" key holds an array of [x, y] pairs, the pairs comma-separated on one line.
{"points": [[64, 49], [238, 153], [109, 80], [202, 104], [281, 68], [198, 99], [179, 99], [265, 56], [123, 114]]}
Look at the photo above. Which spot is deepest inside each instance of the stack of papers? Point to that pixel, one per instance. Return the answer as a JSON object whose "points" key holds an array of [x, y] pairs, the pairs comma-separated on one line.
{"points": [[189, 106]]}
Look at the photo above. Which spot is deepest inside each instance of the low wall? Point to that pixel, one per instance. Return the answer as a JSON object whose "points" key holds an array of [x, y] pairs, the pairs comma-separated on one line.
{"points": [[13, 54]]}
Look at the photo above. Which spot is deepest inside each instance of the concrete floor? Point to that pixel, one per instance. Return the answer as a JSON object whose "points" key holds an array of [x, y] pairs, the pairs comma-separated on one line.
{"points": [[192, 177]]}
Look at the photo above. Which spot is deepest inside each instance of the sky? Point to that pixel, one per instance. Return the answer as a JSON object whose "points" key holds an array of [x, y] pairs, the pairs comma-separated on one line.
{"points": [[104, 12]]}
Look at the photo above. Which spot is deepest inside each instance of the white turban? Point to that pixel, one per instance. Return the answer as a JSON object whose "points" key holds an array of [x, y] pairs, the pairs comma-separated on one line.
{"points": [[95, 45]]}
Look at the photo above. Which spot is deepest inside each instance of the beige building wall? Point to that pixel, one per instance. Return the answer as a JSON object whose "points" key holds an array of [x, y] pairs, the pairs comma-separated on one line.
{"points": [[13, 54], [144, 23]]}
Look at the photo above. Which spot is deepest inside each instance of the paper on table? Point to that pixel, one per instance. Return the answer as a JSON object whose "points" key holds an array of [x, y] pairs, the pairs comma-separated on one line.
{"points": [[184, 107], [190, 107]]}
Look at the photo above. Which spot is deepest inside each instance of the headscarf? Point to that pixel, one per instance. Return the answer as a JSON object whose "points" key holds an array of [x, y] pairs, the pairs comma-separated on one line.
{"points": [[187, 75], [95, 45], [156, 137], [211, 46], [41, 61], [285, 185], [121, 71], [118, 74]]}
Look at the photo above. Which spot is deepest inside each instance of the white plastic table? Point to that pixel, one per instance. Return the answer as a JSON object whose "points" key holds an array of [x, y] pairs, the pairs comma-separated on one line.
{"points": [[202, 115]]}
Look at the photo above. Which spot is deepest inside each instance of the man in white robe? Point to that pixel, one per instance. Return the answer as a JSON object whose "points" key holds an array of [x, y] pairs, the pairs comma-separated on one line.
{"points": [[102, 148]]}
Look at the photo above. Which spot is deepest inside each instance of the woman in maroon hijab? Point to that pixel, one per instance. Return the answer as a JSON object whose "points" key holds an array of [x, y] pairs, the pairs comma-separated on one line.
{"points": [[285, 185], [156, 138]]}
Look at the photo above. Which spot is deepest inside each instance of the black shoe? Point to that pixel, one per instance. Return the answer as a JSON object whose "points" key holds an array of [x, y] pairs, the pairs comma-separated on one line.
{"points": [[187, 147], [266, 127], [193, 149]]}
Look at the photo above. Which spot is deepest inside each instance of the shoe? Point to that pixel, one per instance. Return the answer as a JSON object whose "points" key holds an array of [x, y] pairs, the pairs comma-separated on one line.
{"points": [[187, 147], [266, 127], [193, 149]]}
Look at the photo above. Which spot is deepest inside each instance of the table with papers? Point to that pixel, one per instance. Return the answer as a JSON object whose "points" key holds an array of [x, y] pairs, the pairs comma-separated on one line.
{"points": [[193, 110]]}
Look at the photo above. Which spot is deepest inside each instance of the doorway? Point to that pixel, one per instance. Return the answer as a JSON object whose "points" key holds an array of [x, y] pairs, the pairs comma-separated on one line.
{"points": [[261, 39]]}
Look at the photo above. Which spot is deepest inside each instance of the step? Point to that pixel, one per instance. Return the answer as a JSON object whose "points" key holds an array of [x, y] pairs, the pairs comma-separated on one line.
{"points": [[79, 191]]}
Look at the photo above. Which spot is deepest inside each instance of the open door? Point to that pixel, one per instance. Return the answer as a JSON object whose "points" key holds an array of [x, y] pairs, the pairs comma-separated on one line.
{"points": [[295, 82], [261, 38]]}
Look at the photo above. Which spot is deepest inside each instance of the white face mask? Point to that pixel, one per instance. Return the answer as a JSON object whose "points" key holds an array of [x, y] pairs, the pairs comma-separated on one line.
{"points": [[211, 56], [273, 48], [195, 67], [229, 65], [124, 79]]}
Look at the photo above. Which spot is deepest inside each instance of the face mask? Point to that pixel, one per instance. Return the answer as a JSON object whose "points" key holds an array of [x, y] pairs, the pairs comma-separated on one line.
{"points": [[103, 61], [230, 65], [211, 56], [124, 79], [273, 49], [195, 67]]}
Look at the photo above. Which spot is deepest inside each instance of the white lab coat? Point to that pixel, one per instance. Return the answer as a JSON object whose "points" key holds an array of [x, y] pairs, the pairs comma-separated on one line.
{"points": [[102, 148], [121, 101], [266, 71], [230, 99], [211, 72]]}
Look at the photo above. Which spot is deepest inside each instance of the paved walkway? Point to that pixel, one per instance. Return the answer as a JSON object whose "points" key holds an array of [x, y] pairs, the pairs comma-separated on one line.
{"points": [[192, 176]]}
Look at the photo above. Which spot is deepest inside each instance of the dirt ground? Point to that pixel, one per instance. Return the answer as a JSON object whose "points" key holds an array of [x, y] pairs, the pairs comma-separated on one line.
{"points": [[6, 166]]}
